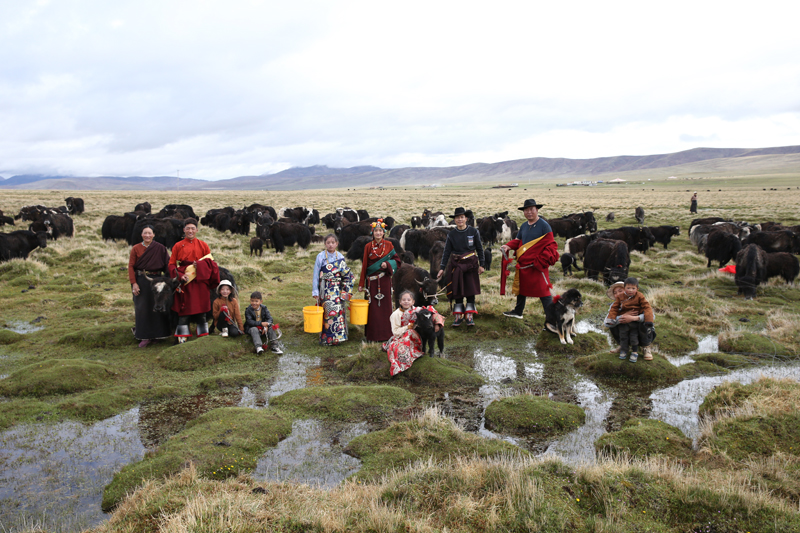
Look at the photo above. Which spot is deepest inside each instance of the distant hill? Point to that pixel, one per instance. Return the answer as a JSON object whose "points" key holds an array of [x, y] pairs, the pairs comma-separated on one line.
{"points": [[698, 160]]}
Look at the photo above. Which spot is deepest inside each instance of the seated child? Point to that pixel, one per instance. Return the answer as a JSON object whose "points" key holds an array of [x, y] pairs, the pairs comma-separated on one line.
{"points": [[257, 322], [631, 301], [647, 332], [227, 316], [405, 346]]}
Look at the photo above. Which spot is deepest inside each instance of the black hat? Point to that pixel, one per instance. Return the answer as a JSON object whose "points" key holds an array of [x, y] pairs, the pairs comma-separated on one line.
{"points": [[530, 202], [459, 211]]}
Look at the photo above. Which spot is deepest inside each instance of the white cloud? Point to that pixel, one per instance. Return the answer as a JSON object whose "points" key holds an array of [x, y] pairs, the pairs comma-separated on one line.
{"points": [[224, 89]]}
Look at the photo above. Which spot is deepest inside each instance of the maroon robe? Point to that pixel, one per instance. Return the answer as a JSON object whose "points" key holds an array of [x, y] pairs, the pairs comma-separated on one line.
{"points": [[379, 326], [194, 297]]}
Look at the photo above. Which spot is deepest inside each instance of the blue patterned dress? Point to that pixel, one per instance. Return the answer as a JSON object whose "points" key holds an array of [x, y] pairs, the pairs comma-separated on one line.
{"points": [[335, 280]]}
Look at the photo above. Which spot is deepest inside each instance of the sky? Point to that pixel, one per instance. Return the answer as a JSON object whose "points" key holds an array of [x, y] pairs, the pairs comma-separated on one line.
{"points": [[212, 90]]}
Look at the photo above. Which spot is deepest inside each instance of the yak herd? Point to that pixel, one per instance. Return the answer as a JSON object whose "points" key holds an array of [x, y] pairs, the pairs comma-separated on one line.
{"points": [[760, 251]]}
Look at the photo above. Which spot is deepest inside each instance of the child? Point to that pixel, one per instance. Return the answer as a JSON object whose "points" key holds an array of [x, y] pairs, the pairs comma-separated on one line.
{"points": [[257, 322], [405, 346], [227, 316], [631, 302]]}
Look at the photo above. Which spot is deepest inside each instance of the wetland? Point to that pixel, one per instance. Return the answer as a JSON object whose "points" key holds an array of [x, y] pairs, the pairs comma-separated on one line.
{"points": [[87, 417]]}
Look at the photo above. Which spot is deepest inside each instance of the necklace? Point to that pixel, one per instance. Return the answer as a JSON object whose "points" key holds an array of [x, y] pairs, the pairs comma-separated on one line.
{"points": [[378, 250]]}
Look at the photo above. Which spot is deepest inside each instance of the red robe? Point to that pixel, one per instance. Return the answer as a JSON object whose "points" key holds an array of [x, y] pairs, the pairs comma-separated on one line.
{"points": [[195, 296], [533, 268]]}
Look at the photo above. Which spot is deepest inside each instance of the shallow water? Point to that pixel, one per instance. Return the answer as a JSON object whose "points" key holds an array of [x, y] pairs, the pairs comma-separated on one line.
{"points": [[295, 371], [54, 474], [19, 326], [679, 404], [584, 326], [312, 454], [578, 446], [707, 344]]}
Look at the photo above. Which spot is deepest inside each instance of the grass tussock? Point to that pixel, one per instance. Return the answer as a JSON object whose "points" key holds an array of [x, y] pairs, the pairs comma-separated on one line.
{"points": [[459, 494]]}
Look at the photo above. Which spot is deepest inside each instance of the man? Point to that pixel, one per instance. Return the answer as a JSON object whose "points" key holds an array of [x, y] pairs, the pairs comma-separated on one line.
{"points": [[191, 261], [464, 252], [536, 252]]}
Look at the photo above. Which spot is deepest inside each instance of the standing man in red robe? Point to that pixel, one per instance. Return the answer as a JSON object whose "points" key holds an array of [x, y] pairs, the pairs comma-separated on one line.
{"points": [[536, 251], [191, 261]]}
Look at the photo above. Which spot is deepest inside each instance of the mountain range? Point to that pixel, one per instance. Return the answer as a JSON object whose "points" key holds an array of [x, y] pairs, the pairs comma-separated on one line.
{"points": [[694, 162]]}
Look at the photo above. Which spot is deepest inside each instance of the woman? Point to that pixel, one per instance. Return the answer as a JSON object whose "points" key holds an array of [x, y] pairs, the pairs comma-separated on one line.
{"points": [[463, 254], [331, 288], [405, 346], [191, 261], [693, 204], [377, 266], [148, 259]]}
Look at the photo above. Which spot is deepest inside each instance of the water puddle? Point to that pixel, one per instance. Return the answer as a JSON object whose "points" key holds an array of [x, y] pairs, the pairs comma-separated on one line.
{"points": [[707, 344], [19, 326], [584, 326], [495, 368], [678, 405], [54, 474], [578, 446], [295, 371], [312, 454], [159, 420]]}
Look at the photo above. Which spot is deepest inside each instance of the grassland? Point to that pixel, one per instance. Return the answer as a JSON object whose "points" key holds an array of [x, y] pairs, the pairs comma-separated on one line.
{"points": [[78, 290]]}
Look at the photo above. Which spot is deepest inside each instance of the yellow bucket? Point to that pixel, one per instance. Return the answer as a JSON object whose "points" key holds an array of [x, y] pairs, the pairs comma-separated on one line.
{"points": [[358, 312], [312, 319]]}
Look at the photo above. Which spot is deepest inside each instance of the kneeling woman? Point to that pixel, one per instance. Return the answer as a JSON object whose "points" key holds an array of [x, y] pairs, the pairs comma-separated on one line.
{"points": [[405, 346]]}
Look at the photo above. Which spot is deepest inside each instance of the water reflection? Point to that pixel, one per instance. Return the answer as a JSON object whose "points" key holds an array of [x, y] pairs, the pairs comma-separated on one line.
{"points": [[54, 474], [312, 454], [679, 405], [707, 344], [584, 326], [295, 371], [578, 446]]}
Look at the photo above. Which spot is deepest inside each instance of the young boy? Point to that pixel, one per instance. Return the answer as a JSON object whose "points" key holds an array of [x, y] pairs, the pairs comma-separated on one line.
{"points": [[257, 322], [631, 300]]}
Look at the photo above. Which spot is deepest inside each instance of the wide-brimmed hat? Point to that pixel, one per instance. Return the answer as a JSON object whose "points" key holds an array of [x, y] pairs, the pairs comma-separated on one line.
{"points": [[610, 291], [459, 211], [229, 284], [530, 202]]}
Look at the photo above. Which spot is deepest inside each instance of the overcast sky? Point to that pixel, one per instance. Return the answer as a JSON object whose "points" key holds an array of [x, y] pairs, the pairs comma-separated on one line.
{"points": [[219, 89]]}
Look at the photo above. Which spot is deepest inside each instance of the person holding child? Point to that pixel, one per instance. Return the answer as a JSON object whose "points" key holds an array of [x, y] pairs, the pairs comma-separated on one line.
{"points": [[331, 288], [380, 261], [463, 251], [405, 345], [225, 309], [258, 322], [626, 310]]}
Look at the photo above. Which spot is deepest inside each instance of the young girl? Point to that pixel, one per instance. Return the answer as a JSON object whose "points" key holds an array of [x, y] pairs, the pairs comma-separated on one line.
{"points": [[227, 316], [405, 346]]}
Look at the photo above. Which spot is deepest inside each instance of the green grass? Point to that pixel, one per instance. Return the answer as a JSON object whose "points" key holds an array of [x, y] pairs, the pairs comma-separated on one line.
{"points": [[533, 415], [82, 299], [221, 443], [646, 437]]}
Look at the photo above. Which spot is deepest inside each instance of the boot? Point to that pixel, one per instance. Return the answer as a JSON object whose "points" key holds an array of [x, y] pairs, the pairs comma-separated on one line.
{"points": [[471, 312], [202, 326], [648, 355], [458, 313], [224, 332]]}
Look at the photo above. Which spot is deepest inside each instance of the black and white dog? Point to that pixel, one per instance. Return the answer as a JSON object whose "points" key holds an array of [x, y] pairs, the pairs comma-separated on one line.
{"points": [[559, 317], [567, 262], [426, 330]]}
